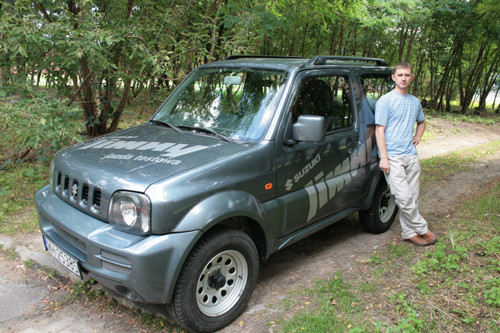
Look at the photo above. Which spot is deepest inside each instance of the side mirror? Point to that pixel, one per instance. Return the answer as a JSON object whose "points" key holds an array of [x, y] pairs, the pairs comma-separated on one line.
{"points": [[309, 129]]}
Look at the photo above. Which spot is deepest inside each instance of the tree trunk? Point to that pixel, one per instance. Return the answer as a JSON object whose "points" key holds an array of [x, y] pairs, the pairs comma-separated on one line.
{"points": [[119, 110], [213, 33], [146, 97], [402, 40], [471, 83]]}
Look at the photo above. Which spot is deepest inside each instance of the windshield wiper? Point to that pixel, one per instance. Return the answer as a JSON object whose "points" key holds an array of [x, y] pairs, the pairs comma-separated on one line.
{"points": [[207, 131], [167, 124]]}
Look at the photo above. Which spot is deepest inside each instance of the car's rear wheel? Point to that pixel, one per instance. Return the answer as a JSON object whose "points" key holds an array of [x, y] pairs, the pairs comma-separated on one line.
{"points": [[380, 216], [216, 281]]}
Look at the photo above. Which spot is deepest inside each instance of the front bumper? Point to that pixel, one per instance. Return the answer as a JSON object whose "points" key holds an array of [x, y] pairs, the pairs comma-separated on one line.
{"points": [[140, 268]]}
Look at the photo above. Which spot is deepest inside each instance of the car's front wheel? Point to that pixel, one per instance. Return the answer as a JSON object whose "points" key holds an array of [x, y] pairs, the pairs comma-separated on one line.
{"points": [[216, 281], [380, 216]]}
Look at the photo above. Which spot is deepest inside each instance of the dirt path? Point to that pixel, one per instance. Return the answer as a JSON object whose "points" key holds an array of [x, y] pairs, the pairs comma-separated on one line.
{"points": [[32, 301]]}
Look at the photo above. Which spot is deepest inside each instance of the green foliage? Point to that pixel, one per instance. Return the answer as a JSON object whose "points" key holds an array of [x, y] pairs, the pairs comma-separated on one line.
{"points": [[409, 320], [34, 125], [42, 123], [18, 185], [92, 50], [85, 289], [442, 259], [328, 307], [492, 292], [155, 322]]}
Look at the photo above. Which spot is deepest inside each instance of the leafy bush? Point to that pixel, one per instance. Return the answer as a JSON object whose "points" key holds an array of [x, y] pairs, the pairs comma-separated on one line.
{"points": [[41, 124]]}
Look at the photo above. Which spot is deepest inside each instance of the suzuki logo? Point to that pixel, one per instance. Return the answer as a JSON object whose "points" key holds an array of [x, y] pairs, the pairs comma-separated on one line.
{"points": [[74, 190]]}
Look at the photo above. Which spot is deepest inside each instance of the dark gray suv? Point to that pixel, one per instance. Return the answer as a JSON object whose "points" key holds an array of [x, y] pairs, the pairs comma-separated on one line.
{"points": [[247, 156]]}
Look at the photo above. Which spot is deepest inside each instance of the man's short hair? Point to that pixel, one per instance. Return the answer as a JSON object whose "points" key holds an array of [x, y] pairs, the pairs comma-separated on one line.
{"points": [[402, 65]]}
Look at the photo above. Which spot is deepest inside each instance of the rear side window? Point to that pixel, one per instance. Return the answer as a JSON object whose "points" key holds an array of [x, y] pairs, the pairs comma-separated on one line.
{"points": [[373, 87]]}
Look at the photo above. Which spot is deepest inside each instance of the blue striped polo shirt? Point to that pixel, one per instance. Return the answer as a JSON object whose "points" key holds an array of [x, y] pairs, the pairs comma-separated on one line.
{"points": [[398, 113]]}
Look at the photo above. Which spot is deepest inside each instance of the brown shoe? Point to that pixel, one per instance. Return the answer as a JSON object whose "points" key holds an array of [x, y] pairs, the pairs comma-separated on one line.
{"points": [[430, 237], [417, 240]]}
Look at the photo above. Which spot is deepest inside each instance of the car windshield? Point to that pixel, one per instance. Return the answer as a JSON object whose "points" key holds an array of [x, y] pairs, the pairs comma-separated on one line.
{"points": [[238, 104]]}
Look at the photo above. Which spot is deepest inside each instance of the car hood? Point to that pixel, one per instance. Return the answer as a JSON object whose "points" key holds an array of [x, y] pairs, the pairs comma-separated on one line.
{"points": [[135, 158]]}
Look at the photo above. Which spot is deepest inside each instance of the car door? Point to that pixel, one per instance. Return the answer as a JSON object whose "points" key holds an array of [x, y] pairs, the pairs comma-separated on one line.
{"points": [[317, 179]]}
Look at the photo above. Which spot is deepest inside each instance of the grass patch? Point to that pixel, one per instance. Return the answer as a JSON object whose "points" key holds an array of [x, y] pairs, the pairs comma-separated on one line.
{"points": [[453, 286], [18, 185], [330, 306], [488, 119], [439, 168]]}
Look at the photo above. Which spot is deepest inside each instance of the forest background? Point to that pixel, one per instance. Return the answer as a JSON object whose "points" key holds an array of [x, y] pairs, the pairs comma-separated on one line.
{"points": [[73, 69], [102, 54]]}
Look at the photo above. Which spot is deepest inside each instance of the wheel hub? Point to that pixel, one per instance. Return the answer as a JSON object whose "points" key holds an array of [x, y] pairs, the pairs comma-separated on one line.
{"points": [[216, 280], [221, 283]]}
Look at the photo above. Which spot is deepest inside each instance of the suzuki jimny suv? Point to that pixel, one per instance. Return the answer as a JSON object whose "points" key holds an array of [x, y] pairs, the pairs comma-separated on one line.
{"points": [[247, 156]]}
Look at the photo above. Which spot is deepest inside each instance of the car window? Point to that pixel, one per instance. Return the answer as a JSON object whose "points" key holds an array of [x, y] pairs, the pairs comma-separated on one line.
{"points": [[373, 87], [236, 103], [327, 96]]}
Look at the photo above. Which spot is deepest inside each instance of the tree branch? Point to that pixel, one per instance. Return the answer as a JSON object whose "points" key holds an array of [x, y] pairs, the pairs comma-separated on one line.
{"points": [[44, 12], [79, 88]]}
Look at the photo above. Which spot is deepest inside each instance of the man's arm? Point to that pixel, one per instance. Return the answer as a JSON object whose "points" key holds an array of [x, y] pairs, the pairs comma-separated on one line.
{"points": [[382, 148], [419, 132]]}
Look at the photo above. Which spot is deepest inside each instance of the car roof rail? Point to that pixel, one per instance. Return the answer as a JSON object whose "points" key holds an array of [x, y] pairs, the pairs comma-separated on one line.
{"points": [[321, 60], [242, 56]]}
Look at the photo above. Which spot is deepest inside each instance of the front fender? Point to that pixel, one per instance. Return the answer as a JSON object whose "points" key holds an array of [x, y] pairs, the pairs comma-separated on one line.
{"points": [[223, 206], [377, 179]]}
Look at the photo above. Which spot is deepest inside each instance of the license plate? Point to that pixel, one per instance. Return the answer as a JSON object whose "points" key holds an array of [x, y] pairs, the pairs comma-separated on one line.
{"points": [[61, 256]]}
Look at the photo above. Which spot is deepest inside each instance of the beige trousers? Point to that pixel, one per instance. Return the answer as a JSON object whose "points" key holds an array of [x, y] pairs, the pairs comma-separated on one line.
{"points": [[404, 183]]}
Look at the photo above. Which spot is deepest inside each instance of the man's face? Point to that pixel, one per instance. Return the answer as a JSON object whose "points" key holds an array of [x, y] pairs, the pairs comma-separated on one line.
{"points": [[403, 78]]}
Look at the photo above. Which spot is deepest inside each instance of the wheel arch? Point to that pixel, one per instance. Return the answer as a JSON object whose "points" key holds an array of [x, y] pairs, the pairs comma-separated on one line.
{"points": [[231, 210], [378, 179]]}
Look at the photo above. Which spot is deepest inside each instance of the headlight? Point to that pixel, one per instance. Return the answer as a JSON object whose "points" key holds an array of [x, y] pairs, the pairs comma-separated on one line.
{"points": [[129, 211]]}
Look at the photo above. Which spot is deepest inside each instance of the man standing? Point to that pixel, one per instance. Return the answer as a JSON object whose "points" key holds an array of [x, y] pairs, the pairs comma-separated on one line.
{"points": [[395, 117]]}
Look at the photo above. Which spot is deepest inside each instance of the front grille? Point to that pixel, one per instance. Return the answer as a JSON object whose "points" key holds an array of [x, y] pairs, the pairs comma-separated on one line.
{"points": [[83, 195], [97, 199], [66, 186], [74, 191]]}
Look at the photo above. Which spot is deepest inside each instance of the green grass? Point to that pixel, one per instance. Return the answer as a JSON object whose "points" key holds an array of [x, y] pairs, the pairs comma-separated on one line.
{"points": [[18, 185], [453, 286], [489, 119], [440, 168], [331, 306]]}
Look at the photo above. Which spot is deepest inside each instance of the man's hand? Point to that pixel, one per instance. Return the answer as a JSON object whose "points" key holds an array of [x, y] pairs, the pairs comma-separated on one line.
{"points": [[419, 132], [384, 165]]}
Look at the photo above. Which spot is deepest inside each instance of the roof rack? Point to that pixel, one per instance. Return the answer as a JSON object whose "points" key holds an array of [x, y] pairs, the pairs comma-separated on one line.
{"points": [[233, 57], [321, 60]]}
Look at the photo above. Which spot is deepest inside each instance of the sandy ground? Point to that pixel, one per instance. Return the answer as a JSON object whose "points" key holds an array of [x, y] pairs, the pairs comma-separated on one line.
{"points": [[32, 301]]}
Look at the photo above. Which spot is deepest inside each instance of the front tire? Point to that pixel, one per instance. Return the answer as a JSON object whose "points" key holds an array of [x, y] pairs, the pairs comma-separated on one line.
{"points": [[216, 281], [380, 216]]}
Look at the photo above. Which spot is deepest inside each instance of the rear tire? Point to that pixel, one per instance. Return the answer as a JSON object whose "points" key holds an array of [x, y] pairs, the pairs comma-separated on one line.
{"points": [[380, 216], [216, 281]]}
